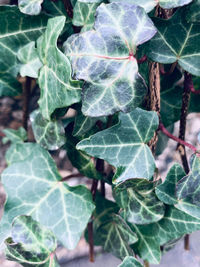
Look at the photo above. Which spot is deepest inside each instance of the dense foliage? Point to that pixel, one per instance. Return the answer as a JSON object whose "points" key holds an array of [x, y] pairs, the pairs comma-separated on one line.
{"points": [[130, 70]]}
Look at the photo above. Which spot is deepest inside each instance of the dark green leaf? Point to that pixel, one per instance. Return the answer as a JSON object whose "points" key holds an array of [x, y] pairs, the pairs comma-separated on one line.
{"points": [[193, 12], [124, 145], [138, 201], [130, 262], [176, 41]]}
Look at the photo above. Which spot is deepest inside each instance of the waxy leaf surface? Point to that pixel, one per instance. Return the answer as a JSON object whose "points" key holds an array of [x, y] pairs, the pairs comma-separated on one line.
{"points": [[29, 58], [138, 201], [130, 261], [30, 243], [104, 59], [116, 236], [188, 191], [57, 88], [124, 145], [193, 12], [49, 134], [166, 192], [176, 40], [30, 7], [34, 188], [15, 136], [16, 30]]}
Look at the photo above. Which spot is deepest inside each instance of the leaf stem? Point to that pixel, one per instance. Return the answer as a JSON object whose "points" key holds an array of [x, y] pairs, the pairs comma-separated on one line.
{"points": [[171, 136], [68, 8], [26, 100], [142, 59], [163, 72], [71, 176]]}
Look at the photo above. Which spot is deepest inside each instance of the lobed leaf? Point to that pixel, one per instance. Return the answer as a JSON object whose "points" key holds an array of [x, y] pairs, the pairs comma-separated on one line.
{"points": [[124, 145], [139, 203], [176, 40], [16, 30], [57, 88], [104, 59], [34, 188], [130, 261]]}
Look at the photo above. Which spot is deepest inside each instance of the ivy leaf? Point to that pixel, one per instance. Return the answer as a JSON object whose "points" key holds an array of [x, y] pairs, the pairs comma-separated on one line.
{"points": [[29, 58], [193, 12], [80, 160], [149, 5], [105, 60], [15, 136], [49, 134], [147, 246], [176, 41], [30, 7], [21, 29], [57, 88], [188, 191], [138, 201], [30, 244], [166, 192], [84, 15], [116, 236], [34, 188], [130, 261], [124, 145]]}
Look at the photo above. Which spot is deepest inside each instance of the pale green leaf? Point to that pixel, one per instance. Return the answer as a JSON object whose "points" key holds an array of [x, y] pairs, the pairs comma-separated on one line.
{"points": [[15, 136], [34, 188], [104, 59], [124, 145], [29, 58], [166, 192], [30, 7], [57, 88], [16, 30], [138, 201], [49, 134], [130, 262], [176, 41]]}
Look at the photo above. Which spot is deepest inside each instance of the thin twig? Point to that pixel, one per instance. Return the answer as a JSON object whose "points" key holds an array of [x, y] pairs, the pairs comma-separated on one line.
{"points": [[142, 59], [71, 176], [178, 140], [196, 92], [163, 72], [146, 264], [26, 100]]}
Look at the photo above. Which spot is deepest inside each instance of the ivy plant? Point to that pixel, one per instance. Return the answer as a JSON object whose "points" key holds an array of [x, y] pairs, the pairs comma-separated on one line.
{"points": [[127, 71]]}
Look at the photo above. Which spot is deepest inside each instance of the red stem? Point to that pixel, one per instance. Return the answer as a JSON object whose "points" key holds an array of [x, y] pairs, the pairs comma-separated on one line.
{"points": [[163, 72], [197, 92], [171, 136], [142, 59]]}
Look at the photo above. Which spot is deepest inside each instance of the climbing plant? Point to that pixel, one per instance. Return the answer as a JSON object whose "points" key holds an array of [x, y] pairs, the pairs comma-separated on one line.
{"points": [[129, 70]]}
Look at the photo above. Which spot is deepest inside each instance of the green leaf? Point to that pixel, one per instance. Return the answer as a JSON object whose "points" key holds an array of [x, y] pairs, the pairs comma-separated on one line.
{"points": [[124, 145], [34, 188], [21, 29], [57, 88], [30, 244], [15, 136], [80, 160], [188, 191], [115, 236], [130, 262], [84, 15], [29, 58], [104, 59], [166, 192], [138, 201], [30, 7], [193, 12], [176, 41], [149, 5], [49, 134]]}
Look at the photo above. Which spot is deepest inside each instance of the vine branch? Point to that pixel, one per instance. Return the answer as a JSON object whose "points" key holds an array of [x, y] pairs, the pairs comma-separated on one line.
{"points": [[26, 100]]}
